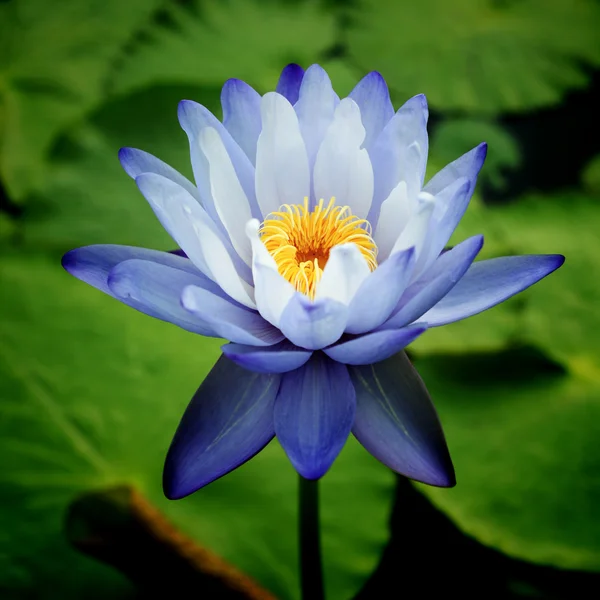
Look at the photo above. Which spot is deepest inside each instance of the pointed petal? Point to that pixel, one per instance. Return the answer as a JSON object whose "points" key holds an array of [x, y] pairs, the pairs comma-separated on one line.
{"points": [[450, 206], [373, 98], [92, 264], [136, 162], [241, 115], [193, 118], [373, 347], [228, 421], [436, 283], [155, 290], [280, 358], [343, 274], [397, 423], [313, 324], [380, 293], [272, 292], [228, 320], [228, 195], [315, 107], [400, 153], [468, 165], [314, 412], [489, 282], [395, 214], [343, 168], [289, 82], [282, 175]]}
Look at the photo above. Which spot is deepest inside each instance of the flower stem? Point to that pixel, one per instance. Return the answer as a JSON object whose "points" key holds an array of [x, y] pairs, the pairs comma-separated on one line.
{"points": [[311, 570]]}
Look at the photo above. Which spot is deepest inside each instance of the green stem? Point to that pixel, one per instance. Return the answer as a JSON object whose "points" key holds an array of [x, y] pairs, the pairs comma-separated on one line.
{"points": [[311, 570]]}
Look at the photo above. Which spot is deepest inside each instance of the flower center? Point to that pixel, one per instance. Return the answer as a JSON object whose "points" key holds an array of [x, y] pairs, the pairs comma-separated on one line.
{"points": [[300, 240]]}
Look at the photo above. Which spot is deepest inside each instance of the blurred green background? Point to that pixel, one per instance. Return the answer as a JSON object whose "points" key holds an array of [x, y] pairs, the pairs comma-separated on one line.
{"points": [[91, 392]]}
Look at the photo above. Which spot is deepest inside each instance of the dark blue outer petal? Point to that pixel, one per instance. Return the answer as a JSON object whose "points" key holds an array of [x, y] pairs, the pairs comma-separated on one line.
{"points": [[397, 423], [228, 421], [314, 412], [290, 81]]}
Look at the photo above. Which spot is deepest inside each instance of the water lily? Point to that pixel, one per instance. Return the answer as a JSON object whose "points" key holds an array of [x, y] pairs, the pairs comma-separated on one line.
{"points": [[311, 243]]}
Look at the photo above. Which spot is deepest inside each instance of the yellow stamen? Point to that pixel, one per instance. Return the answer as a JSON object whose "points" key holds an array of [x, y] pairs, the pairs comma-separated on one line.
{"points": [[300, 240]]}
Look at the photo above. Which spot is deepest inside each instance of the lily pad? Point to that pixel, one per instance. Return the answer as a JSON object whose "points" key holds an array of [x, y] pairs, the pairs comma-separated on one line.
{"points": [[482, 55], [523, 428], [52, 70]]}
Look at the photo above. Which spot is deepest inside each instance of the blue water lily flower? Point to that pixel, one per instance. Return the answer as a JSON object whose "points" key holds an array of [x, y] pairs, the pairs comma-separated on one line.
{"points": [[312, 245]]}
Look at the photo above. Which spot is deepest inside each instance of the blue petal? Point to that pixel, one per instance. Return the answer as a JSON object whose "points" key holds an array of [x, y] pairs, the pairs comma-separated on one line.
{"points": [[228, 319], [394, 155], [193, 118], [156, 291], [241, 115], [280, 358], [468, 165], [488, 283], [228, 421], [436, 283], [450, 206], [313, 325], [373, 347], [373, 98], [92, 264], [289, 82], [136, 162], [314, 412], [397, 423], [380, 292]]}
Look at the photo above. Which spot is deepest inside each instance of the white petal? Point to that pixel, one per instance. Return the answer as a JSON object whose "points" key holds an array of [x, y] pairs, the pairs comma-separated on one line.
{"points": [[344, 272], [272, 292], [220, 263], [282, 175], [229, 197], [395, 214], [177, 211], [315, 107], [415, 232], [342, 169]]}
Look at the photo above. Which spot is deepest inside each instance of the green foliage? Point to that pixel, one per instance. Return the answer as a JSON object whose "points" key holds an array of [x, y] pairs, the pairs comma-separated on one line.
{"points": [[53, 69], [214, 40], [525, 430], [591, 175], [478, 55]]}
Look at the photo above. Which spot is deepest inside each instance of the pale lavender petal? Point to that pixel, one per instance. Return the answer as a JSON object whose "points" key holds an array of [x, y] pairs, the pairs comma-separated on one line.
{"points": [[230, 320], [241, 115], [488, 283], [313, 325], [279, 358], [397, 423], [380, 292], [373, 98], [228, 421], [373, 347], [136, 162], [435, 283], [313, 413]]}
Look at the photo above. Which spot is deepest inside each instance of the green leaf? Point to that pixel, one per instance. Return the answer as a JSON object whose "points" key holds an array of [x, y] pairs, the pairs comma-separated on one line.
{"points": [[478, 55], [54, 60], [591, 175], [454, 137], [211, 41], [91, 395], [524, 431]]}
